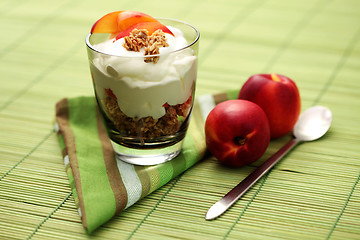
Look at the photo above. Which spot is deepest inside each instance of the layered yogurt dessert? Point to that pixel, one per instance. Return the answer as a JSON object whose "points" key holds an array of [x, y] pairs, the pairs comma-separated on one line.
{"points": [[144, 76]]}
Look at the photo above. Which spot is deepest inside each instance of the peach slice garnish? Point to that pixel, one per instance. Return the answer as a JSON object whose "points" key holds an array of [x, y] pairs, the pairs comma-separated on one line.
{"points": [[122, 21], [106, 24], [127, 19], [150, 26]]}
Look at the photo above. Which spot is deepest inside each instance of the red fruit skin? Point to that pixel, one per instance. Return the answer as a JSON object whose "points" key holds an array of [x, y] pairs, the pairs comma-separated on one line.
{"points": [[231, 121], [278, 96], [110, 93]]}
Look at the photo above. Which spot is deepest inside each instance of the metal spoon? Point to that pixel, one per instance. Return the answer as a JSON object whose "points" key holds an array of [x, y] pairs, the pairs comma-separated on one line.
{"points": [[311, 125]]}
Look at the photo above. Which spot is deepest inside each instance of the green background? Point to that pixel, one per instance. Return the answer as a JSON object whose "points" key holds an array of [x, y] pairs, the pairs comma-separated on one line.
{"points": [[313, 193]]}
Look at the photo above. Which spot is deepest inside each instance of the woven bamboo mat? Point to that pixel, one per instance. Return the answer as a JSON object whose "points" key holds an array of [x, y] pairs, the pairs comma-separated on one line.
{"points": [[313, 193]]}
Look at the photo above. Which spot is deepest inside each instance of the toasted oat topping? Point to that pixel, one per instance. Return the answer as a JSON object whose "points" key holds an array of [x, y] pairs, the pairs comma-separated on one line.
{"points": [[138, 39], [158, 37]]}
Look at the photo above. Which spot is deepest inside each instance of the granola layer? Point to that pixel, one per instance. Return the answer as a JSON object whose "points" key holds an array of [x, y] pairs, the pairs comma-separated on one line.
{"points": [[148, 127]]}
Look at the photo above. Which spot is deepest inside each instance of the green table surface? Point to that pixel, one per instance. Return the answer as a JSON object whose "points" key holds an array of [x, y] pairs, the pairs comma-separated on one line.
{"points": [[313, 193]]}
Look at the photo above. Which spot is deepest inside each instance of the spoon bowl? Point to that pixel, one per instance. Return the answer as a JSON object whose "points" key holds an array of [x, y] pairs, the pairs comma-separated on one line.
{"points": [[313, 123]]}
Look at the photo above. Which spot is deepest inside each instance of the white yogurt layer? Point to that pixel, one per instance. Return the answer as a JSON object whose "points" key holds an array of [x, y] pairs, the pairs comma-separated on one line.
{"points": [[143, 88]]}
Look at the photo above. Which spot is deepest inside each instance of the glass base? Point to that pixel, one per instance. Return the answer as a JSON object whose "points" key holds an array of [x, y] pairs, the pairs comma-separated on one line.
{"points": [[146, 157]]}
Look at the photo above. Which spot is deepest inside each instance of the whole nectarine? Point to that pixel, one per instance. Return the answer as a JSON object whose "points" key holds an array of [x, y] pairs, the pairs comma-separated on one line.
{"points": [[237, 132], [278, 96]]}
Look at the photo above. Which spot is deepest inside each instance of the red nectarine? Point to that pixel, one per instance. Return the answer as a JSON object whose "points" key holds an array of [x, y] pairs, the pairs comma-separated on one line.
{"points": [[237, 132], [278, 96]]}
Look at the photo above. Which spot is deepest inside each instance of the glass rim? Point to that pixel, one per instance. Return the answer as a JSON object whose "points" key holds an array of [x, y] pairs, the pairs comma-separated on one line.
{"points": [[90, 46]]}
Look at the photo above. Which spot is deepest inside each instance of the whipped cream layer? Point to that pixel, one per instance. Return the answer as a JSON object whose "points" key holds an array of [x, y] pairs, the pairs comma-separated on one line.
{"points": [[143, 88]]}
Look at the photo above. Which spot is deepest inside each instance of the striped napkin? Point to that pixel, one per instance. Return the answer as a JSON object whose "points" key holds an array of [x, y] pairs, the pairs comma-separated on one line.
{"points": [[103, 185]]}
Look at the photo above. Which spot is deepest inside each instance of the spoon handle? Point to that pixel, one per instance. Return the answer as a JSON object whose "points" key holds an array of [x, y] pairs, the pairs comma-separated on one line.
{"points": [[231, 197]]}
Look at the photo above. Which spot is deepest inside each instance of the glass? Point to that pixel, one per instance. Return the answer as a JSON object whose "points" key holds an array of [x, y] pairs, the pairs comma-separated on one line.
{"points": [[146, 106]]}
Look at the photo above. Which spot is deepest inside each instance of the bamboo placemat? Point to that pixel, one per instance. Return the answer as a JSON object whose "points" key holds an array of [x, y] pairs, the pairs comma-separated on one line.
{"points": [[313, 193]]}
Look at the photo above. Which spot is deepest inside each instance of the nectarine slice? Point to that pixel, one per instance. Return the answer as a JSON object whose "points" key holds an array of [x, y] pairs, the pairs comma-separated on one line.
{"points": [[116, 22], [107, 24], [127, 19], [150, 26]]}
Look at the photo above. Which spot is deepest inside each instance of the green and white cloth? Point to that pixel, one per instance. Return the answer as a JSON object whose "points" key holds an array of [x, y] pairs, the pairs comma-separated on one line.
{"points": [[102, 185]]}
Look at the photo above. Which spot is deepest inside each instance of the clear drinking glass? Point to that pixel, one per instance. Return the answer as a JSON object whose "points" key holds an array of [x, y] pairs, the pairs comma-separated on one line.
{"points": [[146, 106]]}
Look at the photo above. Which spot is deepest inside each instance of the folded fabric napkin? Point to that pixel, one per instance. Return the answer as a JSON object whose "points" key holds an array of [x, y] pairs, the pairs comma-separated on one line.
{"points": [[102, 185]]}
